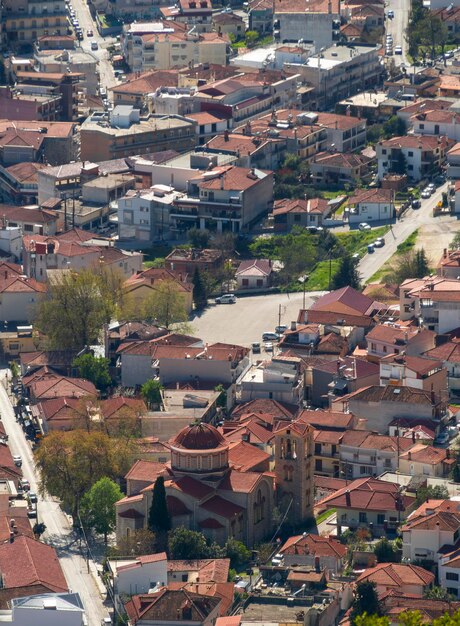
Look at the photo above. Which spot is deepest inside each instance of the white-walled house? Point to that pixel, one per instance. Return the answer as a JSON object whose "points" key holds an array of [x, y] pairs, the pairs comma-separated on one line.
{"points": [[449, 573], [436, 523], [438, 122], [422, 155], [371, 205], [139, 574]]}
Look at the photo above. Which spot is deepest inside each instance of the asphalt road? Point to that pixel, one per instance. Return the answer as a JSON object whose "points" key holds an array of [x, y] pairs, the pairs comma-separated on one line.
{"points": [[404, 227], [397, 27], [106, 75], [59, 533], [244, 322]]}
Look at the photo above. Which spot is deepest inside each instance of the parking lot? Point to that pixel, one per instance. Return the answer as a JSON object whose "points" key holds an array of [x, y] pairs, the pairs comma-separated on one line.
{"points": [[245, 321]]}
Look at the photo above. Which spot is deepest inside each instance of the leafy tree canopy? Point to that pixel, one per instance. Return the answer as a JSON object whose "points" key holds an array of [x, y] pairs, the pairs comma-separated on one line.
{"points": [[98, 506], [94, 369]]}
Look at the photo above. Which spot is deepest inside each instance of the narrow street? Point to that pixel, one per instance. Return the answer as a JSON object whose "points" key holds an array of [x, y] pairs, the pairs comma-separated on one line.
{"points": [[59, 533], [107, 77], [396, 27], [411, 220]]}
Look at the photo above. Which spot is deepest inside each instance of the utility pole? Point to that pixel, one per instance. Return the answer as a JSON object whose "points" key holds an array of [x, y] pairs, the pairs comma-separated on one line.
{"points": [[279, 315], [330, 270]]}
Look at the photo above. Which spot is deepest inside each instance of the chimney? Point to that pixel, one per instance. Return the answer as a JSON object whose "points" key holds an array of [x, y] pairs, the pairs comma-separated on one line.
{"points": [[413, 436], [445, 253], [409, 456], [222, 182], [448, 453], [317, 565], [226, 135], [347, 498], [293, 325]]}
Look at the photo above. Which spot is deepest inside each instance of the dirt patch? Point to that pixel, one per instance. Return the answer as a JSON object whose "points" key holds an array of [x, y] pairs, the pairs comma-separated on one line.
{"points": [[435, 237]]}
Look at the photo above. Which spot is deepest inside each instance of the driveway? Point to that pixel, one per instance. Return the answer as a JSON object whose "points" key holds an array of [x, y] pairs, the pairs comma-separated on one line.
{"points": [[245, 321]]}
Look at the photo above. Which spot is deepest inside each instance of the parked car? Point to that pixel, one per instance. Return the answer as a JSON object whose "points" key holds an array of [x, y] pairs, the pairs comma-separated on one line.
{"points": [[416, 204], [379, 243], [390, 14], [24, 484], [17, 460], [94, 45], [227, 298], [32, 512], [32, 497], [279, 330], [268, 346], [426, 193], [370, 248], [256, 347], [89, 32], [364, 226], [269, 336], [398, 50]]}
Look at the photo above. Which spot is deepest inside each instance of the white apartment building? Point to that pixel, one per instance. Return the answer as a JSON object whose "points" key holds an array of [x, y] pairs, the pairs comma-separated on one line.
{"points": [[423, 155], [168, 45], [434, 301]]}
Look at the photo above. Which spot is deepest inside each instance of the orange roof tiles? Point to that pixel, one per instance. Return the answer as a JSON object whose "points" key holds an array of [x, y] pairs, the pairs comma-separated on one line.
{"points": [[397, 575]]}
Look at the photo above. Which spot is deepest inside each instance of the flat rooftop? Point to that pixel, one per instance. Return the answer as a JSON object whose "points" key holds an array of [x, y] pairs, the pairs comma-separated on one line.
{"points": [[136, 128], [368, 99], [335, 55]]}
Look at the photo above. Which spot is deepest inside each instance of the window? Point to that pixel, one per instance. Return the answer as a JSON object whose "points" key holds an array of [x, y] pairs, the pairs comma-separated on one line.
{"points": [[380, 519], [421, 126], [297, 218], [453, 591], [362, 517], [373, 347], [317, 448], [451, 576], [318, 465], [410, 153], [28, 228]]}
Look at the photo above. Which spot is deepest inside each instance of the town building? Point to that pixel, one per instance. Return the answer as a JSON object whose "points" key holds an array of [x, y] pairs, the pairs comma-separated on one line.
{"points": [[306, 549], [393, 338], [203, 491], [315, 21], [196, 15], [187, 260], [418, 155], [24, 21], [371, 205], [126, 134], [288, 213], [434, 301], [335, 168], [409, 579], [254, 274]]}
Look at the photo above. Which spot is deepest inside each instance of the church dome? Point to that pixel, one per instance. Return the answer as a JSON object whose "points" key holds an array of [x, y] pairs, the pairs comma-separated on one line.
{"points": [[199, 437]]}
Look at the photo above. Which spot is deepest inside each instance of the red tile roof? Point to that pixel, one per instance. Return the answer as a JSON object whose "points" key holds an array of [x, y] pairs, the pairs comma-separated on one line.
{"points": [[346, 296], [146, 471], [314, 545], [244, 457], [397, 575], [265, 406], [318, 206], [368, 494], [30, 562], [234, 179], [222, 508]]}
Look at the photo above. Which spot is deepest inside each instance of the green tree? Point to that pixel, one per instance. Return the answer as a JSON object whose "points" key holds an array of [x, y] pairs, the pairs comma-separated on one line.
{"points": [[98, 506], [238, 553], [94, 369], [70, 463], [222, 399], [422, 268], [438, 593], [76, 307], [347, 274], [366, 600], [15, 370], [411, 264], [251, 37], [438, 492], [166, 306], [455, 243], [298, 255], [151, 392], [159, 520], [198, 238], [386, 552], [200, 298], [187, 544], [38, 529], [400, 165], [394, 127]]}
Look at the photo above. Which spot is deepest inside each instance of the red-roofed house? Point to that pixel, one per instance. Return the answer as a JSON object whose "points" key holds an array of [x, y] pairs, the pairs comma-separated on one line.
{"points": [[368, 501], [19, 297], [137, 575], [371, 205], [423, 154], [299, 212], [410, 579], [254, 274], [385, 339], [423, 460], [348, 301], [418, 372], [26, 561], [307, 548]]}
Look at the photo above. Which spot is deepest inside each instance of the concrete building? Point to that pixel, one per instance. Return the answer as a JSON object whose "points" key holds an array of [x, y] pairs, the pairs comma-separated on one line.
{"points": [[167, 45], [260, 15], [24, 21], [79, 61], [280, 380], [196, 14], [422, 155], [227, 198], [46, 609], [325, 72], [316, 21], [434, 301], [102, 140]]}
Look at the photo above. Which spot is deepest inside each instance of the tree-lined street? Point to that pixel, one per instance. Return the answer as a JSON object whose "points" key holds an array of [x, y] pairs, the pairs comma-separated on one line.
{"points": [[59, 532]]}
